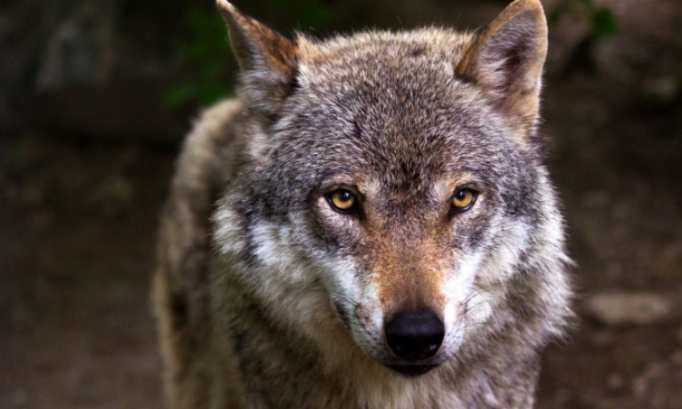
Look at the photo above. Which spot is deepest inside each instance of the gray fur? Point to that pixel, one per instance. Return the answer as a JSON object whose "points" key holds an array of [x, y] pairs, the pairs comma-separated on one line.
{"points": [[268, 299]]}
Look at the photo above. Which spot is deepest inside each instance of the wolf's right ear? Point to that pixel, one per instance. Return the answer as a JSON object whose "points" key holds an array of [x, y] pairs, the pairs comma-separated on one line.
{"points": [[267, 59]]}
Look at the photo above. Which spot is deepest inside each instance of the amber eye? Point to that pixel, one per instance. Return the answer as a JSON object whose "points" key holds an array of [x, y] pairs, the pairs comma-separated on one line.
{"points": [[464, 199], [342, 200]]}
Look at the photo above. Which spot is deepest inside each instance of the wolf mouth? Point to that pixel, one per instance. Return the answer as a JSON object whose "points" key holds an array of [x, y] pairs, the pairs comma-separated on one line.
{"points": [[412, 371]]}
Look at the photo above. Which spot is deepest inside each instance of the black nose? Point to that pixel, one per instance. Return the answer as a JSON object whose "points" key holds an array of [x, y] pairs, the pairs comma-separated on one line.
{"points": [[415, 335]]}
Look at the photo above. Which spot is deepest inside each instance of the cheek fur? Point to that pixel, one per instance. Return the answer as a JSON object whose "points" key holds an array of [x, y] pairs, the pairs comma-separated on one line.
{"points": [[357, 302], [458, 288], [480, 285], [505, 252]]}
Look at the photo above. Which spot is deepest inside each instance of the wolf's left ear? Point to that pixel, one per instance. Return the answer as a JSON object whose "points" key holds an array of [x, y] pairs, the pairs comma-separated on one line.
{"points": [[506, 60], [267, 59]]}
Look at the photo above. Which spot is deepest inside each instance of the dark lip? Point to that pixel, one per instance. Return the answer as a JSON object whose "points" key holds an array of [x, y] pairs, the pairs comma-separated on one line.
{"points": [[412, 371]]}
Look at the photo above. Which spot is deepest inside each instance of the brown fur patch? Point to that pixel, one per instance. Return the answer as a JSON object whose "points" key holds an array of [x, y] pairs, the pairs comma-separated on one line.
{"points": [[247, 33], [408, 271]]}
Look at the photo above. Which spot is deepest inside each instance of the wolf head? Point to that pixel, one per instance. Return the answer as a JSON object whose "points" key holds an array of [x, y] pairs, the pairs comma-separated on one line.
{"points": [[391, 182]]}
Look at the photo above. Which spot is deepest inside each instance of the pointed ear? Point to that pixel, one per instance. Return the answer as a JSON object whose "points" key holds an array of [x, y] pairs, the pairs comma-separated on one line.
{"points": [[268, 60], [506, 60]]}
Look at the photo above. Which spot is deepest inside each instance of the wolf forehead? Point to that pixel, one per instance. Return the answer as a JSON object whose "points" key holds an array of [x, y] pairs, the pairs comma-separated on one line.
{"points": [[361, 54], [389, 104], [393, 79]]}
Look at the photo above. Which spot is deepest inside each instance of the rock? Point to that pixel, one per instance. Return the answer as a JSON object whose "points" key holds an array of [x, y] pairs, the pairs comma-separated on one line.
{"points": [[627, 308], [615, 382], [640, 387], [676, 358], [660, 91], [647, 386], [80, 48]]}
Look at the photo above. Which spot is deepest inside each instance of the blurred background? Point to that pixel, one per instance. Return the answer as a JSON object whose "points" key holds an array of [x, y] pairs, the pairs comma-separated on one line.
{"points": [[95, 96]]}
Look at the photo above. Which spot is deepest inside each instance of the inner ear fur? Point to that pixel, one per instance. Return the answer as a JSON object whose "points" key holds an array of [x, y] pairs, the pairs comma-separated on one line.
{"points": [[267, 59], [506, 59]]}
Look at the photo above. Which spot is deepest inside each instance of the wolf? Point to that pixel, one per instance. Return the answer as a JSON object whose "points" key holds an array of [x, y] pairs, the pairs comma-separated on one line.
{"points": [[369, 224]]}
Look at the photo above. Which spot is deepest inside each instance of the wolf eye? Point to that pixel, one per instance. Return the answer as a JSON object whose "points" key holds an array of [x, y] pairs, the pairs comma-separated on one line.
{"points": [[342, 200], [464, 199]]}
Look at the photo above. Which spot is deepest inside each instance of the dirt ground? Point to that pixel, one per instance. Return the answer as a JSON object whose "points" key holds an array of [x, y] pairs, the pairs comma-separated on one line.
{"points": [[77, 231]]}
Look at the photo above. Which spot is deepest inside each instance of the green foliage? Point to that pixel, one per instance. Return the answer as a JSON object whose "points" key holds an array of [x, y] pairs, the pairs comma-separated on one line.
{"points": [[604, 22], [602, 19], [206, 57], [309, 13]]}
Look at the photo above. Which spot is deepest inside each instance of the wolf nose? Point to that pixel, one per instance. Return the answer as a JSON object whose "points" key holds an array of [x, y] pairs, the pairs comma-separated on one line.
{"points": [[414, 335]]}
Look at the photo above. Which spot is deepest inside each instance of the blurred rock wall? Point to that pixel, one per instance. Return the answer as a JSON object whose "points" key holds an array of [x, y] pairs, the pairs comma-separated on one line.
{"points": [[89, 66]]}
